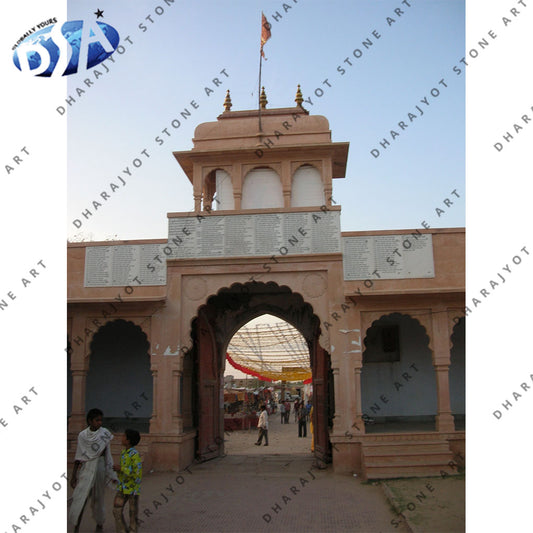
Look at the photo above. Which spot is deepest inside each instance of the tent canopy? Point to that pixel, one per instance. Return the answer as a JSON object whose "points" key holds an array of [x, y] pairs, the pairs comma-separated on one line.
{"points": [[271, 351]]}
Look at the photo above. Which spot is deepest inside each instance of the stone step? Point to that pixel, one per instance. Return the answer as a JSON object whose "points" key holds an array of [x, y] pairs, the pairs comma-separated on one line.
{"points": [[428, 459], [390, 472], [416, 458], [404, 447]]}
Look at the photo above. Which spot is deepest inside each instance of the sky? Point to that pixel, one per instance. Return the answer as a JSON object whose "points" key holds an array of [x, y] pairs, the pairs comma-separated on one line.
{"points": [[54, 165], [174, 58]]}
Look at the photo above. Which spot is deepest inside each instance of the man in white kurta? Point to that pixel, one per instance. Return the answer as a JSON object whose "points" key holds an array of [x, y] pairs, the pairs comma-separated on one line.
{"points": [[262, 424], [94, 464]]}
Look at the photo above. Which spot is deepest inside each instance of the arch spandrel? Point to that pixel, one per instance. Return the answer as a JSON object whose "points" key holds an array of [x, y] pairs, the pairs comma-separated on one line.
{"points": [[246, 168], [453, 316], [254, 299], [144, 322]]}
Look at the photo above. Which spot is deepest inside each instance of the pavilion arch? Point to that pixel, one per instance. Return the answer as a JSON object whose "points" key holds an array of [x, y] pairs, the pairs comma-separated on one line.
{"points": [[457, 374], [262, 188], [398, 382], [219, 182], [212, 328], [307, 187], [119, 380]]}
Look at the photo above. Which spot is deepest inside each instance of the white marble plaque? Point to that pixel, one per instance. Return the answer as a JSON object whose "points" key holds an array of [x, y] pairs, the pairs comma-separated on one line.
{"points": [[239, 236], [297, 233], [255, 234], [119, 265], [268, 233], [401, 256]]}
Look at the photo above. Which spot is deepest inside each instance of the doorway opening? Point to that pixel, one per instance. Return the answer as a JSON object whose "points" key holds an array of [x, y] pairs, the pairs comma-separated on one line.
{"points": [[119, 381], [216, 324], [397, 372], [268, 363]]}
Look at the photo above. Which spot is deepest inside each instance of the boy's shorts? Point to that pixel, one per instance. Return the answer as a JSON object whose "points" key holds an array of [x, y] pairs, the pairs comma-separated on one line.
{"points": [[118, 507]]}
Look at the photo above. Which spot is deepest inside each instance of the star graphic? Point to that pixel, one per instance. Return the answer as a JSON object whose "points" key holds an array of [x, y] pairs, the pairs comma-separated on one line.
{"points": [[99, 13]]}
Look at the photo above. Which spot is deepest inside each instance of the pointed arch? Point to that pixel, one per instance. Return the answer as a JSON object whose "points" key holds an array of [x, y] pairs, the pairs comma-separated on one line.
{"points": [[215, 323], [392, 386], [119, 380]]}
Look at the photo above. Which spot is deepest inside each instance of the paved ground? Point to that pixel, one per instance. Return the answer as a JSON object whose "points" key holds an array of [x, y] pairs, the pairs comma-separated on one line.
{"points": [[276, 488], [282, 438]]}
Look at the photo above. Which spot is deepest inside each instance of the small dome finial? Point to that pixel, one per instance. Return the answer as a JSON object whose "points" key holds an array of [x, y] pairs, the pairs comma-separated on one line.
{"points": [[299, 98], [227, 101], [263, 99]]}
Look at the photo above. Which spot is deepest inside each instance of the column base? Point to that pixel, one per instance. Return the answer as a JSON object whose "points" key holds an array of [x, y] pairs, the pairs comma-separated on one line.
{"points": [[445, 423], [77, 422]]}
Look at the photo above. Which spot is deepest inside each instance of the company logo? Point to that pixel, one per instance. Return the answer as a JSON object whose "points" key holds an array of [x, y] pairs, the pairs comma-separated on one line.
{"points": [[65, 48]]}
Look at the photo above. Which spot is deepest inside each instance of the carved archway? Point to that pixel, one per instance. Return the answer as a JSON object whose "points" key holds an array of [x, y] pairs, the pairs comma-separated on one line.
{"points": [[212, 328]]}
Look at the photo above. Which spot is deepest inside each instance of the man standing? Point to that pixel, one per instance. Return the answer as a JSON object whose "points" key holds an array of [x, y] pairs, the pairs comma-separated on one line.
{"points": [[262, 424], [282, 411], [302, 421], [93, 470], [287, 411], [296, 409]]}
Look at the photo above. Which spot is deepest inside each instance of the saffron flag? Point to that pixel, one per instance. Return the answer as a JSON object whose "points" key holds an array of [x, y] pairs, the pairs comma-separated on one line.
{"points": [[265, 32]]}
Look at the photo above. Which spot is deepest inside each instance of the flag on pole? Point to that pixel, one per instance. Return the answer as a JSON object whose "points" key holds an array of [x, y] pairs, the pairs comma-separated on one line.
{"points": [[265, 32]]}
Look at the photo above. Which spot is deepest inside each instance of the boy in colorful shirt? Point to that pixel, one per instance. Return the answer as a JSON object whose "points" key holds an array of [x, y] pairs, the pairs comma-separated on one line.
{"points": [[129, 486]]}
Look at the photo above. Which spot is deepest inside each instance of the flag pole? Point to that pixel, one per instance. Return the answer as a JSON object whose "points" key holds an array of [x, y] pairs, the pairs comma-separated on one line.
{"points": [[265, 36]]}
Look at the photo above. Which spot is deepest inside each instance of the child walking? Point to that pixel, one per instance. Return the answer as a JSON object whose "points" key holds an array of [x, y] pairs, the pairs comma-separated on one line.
{"points": [[129, 484]]}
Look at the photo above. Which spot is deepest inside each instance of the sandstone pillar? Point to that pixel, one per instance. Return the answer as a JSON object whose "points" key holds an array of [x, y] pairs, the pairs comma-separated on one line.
{"points": [[78, 417], [441, 362]]}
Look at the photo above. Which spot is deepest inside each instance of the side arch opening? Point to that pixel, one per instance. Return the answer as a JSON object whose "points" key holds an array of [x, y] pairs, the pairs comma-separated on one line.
{"points": [[119, 381], [398, 381]]}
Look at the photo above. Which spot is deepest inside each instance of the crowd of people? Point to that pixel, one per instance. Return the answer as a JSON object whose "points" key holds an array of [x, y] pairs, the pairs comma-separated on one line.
{"points": [[301, 411]]}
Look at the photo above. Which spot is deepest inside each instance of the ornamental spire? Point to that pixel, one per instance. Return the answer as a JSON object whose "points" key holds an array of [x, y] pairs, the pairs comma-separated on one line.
{"points": [[227, 101], [263, 99], [299, 98]]}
